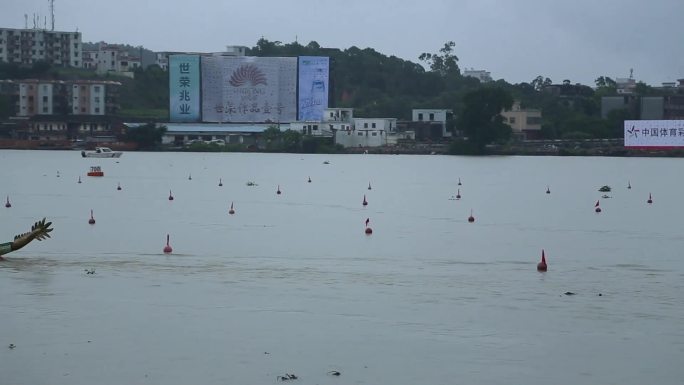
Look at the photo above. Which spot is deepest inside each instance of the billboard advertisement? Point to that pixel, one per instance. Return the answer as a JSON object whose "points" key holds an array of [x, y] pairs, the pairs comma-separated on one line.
{"points": [[313, 87], [184, 88], [654, 133], [249, 89]]}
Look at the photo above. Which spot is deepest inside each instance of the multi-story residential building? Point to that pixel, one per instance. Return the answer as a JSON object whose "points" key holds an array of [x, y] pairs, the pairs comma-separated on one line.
{"points": [[481, 75], [110, 58], [56, 97], [438, 117], [28, 46], [367, 132], [525, 122]]}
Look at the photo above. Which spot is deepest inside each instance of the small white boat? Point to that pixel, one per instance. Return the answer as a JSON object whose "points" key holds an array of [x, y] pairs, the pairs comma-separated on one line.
{"points": [[101, 152]]}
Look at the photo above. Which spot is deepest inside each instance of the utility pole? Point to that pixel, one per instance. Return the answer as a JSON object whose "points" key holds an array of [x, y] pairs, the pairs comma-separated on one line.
{"points": [[52, 13]]}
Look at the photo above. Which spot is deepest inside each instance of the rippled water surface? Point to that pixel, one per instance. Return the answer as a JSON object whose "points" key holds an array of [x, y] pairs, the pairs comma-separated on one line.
{"points": [[291, 284]]}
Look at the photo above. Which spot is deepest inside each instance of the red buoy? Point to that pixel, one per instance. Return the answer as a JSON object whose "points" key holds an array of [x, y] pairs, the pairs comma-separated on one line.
{"points": [[368, 229], [92, 219], [170, 196], [220, 182], [365, 202], [8, 204], [309, 179], [471, 218], [167, 248], [118, 186], [597, 208], [231, 211], [541, 266], [278, 191], [458, 193], [650, 199]]}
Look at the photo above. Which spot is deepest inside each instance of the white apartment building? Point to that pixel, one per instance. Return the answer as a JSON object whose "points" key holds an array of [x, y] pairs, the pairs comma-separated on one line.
{"points": [[481, 75], [110, 58], [436, 116], [27, 46], [367, 132]]}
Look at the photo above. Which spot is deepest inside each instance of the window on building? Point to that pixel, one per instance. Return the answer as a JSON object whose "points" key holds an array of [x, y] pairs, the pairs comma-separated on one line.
{"points": [[373, 125], [360, 133], [365, 125], [97, 99], [432, 116], [375, 134], [76, 63], [511, 120], [420, 117], [97, 110], [315, 127], [97, 89], [45, 99]]}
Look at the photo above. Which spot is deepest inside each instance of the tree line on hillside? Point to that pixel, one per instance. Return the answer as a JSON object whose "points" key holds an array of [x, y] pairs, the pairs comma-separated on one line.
{"points": [[376, 85]]}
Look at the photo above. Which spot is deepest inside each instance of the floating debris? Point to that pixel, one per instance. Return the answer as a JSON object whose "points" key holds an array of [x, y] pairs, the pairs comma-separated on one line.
{"points": [[89, 271], [604, 189], [12, 346], [334, 373], [288, 377], [569, 293]]}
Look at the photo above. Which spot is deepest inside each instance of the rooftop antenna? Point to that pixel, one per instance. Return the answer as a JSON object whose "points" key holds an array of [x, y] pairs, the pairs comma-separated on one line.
{"points": [[25, 21], [631, 73], [52, 13], [34, 20]]}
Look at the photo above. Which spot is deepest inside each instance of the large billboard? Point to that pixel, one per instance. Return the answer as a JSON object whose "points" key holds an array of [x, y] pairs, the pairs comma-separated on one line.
{"points": [[654, 133], [184, 88], [313, 87], [249, 89]]}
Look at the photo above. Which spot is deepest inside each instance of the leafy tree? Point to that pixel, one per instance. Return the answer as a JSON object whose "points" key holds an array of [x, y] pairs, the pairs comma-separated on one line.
{"points": [[481, 119], [147, 136], [445, 62]]}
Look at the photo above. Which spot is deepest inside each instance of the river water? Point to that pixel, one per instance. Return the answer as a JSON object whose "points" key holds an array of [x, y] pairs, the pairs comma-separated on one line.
{"points": [[291, 284]]}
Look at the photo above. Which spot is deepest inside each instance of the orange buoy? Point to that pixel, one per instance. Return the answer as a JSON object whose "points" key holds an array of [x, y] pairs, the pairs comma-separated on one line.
{"points": [[458, 193], [650, 199], [278, 191], [597, 208], [170, 196], [92, 219], [167, 248], [368, 229], [365, 202], [220, 182], [471, 218], [231, 211], [8, 204], [541, 266]]}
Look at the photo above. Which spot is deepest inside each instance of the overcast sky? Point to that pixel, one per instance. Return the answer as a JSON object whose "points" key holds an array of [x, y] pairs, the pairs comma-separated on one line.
{"points": [[515, 40]]}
